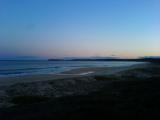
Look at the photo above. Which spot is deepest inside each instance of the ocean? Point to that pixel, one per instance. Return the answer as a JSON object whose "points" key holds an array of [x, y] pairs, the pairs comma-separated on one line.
{"points": [[19, 68]]}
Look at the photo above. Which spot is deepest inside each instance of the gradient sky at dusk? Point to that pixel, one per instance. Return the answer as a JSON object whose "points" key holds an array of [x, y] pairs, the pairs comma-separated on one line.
{"points": [[79, 28]]}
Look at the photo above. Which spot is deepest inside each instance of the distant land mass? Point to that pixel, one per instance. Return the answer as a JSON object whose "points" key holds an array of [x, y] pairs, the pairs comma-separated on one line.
{"points": [[142, 59]]}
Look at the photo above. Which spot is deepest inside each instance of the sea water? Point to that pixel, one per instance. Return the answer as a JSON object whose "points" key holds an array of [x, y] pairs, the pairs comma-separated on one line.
{"points": [[17, 68]]}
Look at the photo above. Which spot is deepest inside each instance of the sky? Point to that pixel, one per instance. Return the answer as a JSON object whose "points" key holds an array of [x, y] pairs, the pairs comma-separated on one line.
{"points": [[79, 28]]}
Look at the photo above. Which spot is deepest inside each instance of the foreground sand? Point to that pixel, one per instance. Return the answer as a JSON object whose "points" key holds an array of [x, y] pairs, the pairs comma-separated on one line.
{"points": [[73, 82], [128, 93]]}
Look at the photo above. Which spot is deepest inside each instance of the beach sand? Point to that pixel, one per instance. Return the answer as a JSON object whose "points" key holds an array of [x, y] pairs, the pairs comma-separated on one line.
{"points": [[119, 92], [77, 81]]}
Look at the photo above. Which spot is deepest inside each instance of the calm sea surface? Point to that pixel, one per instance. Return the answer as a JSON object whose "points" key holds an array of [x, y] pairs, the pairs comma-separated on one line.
{"points": [[17, 68]]}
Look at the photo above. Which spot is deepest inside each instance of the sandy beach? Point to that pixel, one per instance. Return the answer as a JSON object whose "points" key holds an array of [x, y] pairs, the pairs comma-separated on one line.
{"points": [[101, 89], [40, 84]]}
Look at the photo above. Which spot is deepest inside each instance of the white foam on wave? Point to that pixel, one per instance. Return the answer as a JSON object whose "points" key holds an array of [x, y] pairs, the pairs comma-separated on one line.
{"points": [[84, 73]]}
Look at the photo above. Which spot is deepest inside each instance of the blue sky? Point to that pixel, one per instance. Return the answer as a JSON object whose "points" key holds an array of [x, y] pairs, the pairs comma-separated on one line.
{"points": [[79, 28]]}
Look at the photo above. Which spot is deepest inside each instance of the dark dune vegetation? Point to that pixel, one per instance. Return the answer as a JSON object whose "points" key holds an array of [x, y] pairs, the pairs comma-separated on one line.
{"points": [[131, 95]]}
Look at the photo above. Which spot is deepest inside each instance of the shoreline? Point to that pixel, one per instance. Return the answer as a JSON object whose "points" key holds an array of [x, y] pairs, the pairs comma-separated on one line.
{"points": [[9, 71], [79, 72]]}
